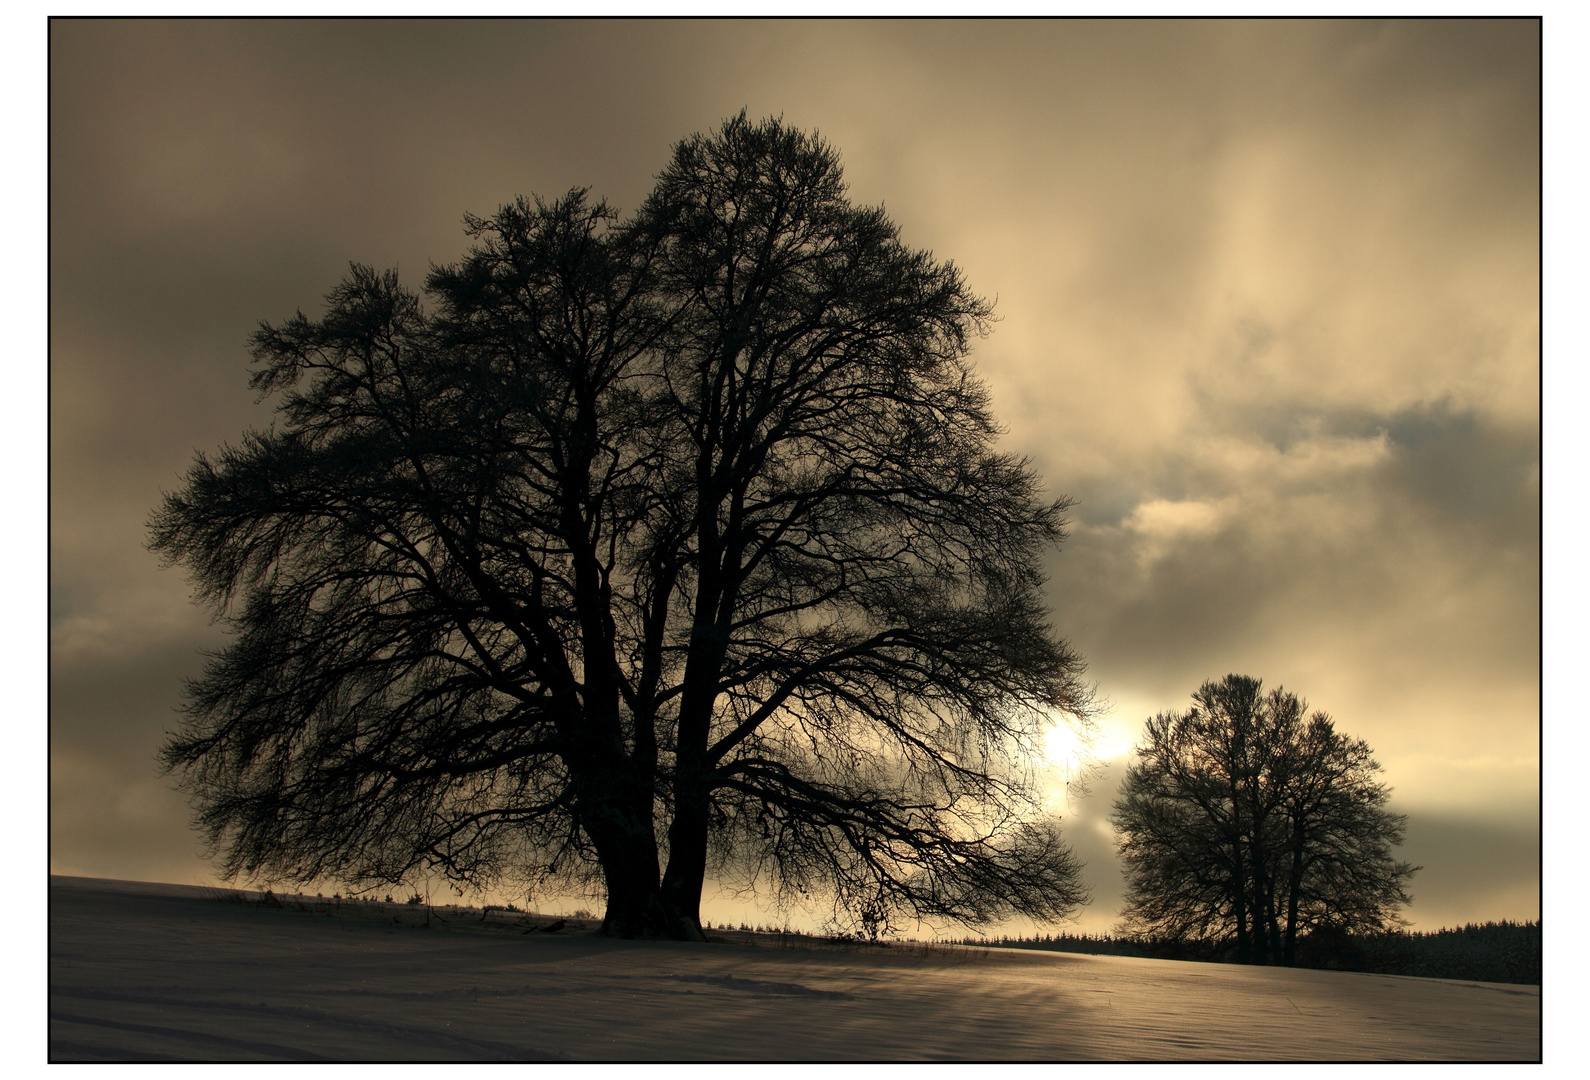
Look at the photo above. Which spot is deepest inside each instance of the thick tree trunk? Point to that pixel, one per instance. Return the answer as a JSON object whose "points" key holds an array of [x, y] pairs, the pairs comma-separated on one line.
{"points": [[619, 824], [693, 777], [636, 906], [687, 856]]}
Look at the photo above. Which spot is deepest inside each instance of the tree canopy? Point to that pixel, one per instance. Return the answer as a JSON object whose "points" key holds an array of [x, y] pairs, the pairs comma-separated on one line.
{"points": [[645, 547], [1248, 820]]}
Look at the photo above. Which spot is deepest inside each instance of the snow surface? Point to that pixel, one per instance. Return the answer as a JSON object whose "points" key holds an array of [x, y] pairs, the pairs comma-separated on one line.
{"points": [[144, 972]]}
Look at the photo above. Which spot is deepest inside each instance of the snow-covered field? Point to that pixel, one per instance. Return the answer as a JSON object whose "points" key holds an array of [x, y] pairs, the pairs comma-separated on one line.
{"points": [[152, 972]]}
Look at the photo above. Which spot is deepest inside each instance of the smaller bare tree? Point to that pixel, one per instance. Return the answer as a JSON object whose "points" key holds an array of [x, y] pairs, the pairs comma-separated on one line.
{"points": [[1247, 821]]}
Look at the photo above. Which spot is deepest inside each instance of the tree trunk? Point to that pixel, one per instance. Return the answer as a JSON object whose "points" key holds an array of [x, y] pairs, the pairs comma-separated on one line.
{"points": [[1259, 938], [1290, 956], [687, 833], [618, 820], [1265, 903], [687, 859], [635, 905], [1272, 926], [1239, 897], [1294, 890]]}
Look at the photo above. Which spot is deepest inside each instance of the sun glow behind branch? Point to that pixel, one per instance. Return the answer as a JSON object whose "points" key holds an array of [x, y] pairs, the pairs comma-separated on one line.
{"points": [[1072, 755]]}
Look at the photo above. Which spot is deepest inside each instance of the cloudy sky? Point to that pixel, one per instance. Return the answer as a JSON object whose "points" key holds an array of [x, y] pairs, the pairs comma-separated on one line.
{"points": [[1269, 301]]}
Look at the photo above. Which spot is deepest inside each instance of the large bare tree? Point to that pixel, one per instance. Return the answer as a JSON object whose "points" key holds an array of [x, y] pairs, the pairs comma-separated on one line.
{"points": [[652, 547]]}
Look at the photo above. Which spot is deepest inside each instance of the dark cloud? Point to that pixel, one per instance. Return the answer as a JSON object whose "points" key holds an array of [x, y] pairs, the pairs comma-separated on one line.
{"points": [[111, 813], [1475, 868], [1467, 469]]}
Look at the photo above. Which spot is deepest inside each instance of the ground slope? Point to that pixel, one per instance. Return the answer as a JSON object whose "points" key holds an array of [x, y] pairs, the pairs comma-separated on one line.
{"points": [[143, 972]]}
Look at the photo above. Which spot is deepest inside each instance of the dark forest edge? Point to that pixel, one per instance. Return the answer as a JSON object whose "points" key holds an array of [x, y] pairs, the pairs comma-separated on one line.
{"points": [[1500, 952], [1497, 952]]}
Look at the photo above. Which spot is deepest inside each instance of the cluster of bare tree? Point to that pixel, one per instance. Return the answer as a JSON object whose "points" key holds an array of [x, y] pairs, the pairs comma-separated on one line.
{"points": [[659, 545], [1249, 821]]}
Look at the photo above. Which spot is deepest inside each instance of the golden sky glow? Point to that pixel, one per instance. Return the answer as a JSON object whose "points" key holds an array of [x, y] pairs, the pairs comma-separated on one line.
{"points": [[1269, 310]]}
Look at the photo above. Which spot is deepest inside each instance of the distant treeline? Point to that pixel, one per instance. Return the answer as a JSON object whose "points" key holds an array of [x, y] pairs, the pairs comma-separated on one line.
{"points": [[1504, 952]]}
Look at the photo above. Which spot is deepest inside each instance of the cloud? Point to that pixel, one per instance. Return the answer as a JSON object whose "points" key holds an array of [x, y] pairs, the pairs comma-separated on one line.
{"points": [[1390, 577], [111, 813], [1476, 869]]}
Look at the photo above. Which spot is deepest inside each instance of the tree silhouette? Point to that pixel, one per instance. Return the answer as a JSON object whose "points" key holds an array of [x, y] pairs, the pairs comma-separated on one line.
{"points": [[1249, 821], [653, 547]]}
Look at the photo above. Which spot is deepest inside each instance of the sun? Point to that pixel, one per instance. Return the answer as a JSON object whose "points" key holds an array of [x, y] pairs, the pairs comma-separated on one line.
{"points": [[1063, 747], [1073, 756]]}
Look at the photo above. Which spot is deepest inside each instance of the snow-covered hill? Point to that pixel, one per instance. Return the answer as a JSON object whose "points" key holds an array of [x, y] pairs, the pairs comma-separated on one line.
{"points": [[142, 972]]}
